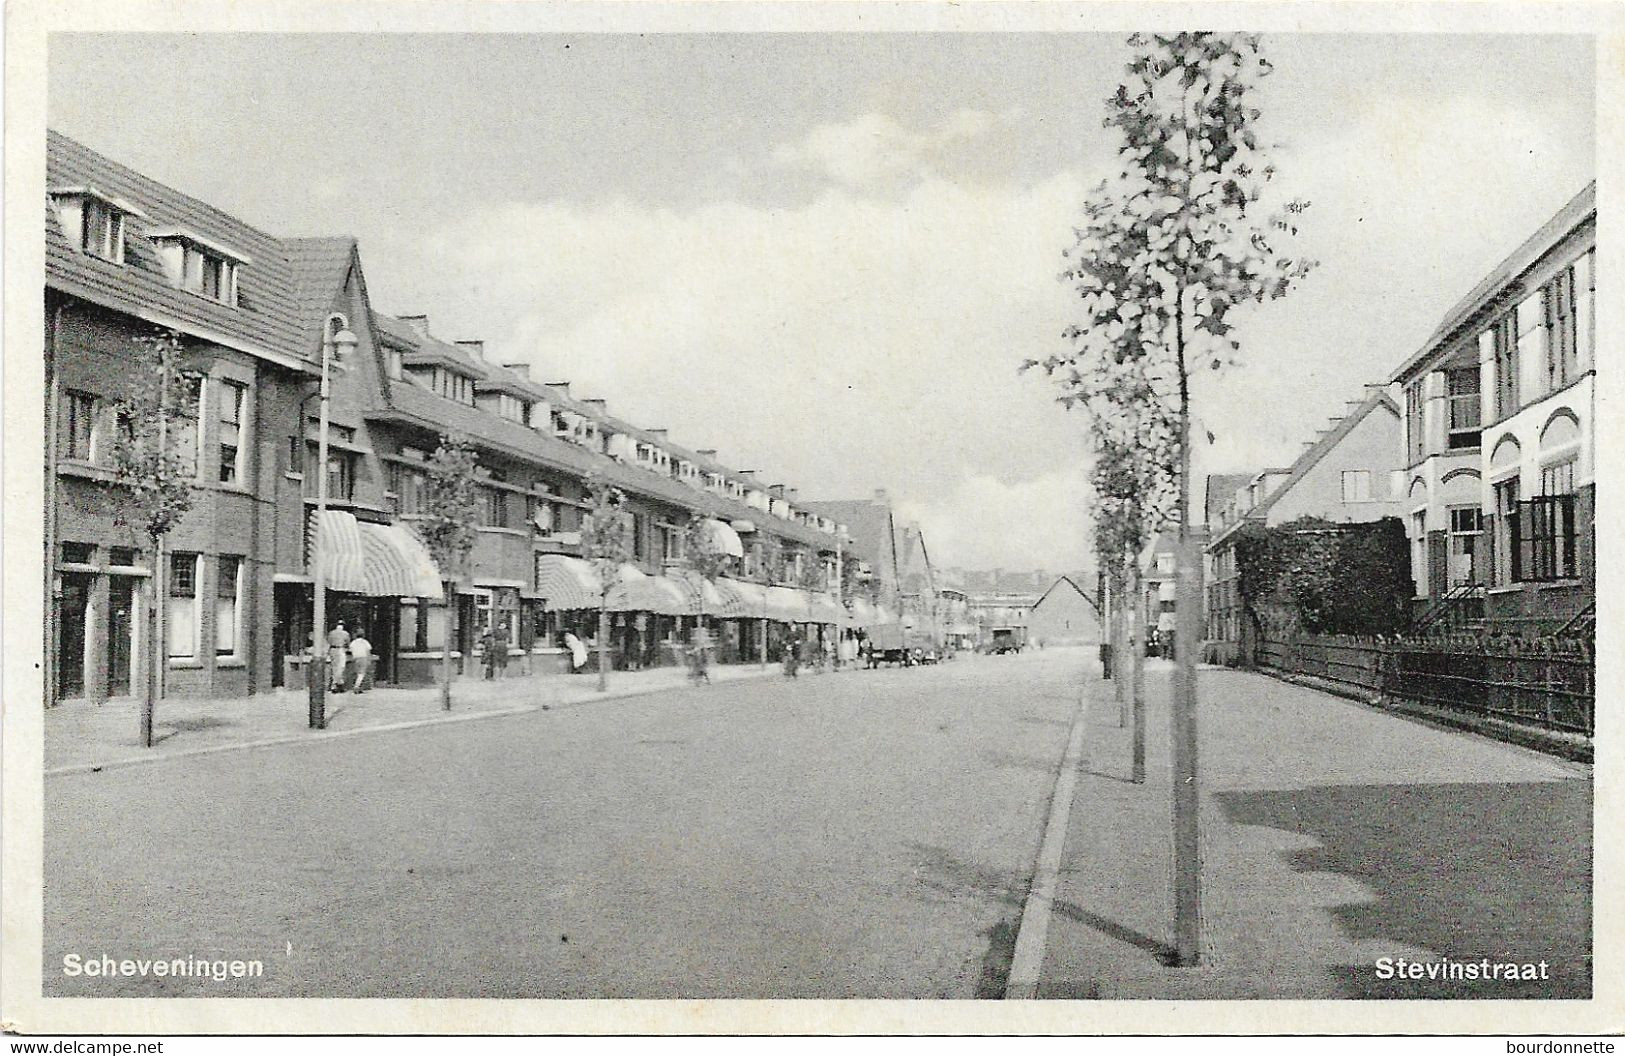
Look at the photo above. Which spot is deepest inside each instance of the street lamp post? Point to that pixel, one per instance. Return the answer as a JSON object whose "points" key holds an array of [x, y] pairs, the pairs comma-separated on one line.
{"points": [[840, 593], [336, 345]]}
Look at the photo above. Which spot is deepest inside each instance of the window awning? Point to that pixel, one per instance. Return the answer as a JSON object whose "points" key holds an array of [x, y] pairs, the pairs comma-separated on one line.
{"points": [[333, 537], [741, 599], [637, 591], [703, 595], [724, 538], [398, 564], [566, 582], [788, 605]]}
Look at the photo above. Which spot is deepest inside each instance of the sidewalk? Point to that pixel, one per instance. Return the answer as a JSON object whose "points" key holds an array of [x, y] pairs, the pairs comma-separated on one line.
{"points": [[81, 735], [1333, 835]]}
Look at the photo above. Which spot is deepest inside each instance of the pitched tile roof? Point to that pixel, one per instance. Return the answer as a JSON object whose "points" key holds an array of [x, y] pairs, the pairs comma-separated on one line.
{"points": [[1322, 446], [1221, 489], [264, 320]]}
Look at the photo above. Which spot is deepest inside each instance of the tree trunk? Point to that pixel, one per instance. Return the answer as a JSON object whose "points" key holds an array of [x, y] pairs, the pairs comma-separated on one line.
{"points": [[1120, 647], [149, 701], [1187, 861], [603, 645], [445, 646], [1137, 681]]}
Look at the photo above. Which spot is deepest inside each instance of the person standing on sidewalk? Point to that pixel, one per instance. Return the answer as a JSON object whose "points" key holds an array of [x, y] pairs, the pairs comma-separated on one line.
{"points": [[488, 649], [361, 660], [338, 641]]}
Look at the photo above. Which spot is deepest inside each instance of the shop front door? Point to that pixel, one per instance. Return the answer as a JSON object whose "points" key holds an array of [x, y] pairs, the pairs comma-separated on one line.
{"points": [[72, 612]]}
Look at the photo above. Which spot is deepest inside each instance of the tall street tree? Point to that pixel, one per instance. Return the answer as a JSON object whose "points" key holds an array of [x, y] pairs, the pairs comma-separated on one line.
{"points": [[606, 539], [1182, 235], [703, 557], [449, 513], [154, 461]]}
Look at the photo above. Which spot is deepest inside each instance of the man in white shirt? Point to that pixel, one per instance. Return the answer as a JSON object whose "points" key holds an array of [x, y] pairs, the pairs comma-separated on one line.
{"points": [[361, 660]]}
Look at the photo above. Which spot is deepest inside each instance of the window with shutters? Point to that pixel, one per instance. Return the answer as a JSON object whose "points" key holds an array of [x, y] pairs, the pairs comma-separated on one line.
{"points": [[1415, 434], [1562, 347], [1505, 340]]}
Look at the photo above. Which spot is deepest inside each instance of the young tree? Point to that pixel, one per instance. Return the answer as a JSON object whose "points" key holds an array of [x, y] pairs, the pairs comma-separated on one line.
{"points": [[1172, 244], [606, 539], [450, 512], [155, 467], [702, 557]]}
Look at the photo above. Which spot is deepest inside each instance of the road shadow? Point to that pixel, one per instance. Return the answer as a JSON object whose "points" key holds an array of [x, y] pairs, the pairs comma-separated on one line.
{"points": [[1470, 871], [1163, 952]]}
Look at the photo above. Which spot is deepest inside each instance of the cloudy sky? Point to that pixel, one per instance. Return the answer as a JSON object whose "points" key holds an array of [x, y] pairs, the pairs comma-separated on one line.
{"points": [[825, 255]]}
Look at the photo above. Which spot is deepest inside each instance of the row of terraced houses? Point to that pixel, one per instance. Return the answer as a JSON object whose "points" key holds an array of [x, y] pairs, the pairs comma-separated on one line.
{"points": [[127, 257], [1482, 442]]}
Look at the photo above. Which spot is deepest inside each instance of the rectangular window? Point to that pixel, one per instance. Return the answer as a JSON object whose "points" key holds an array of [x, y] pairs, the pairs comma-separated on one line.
{"points": [[1415, 437], [1464, 532], [1558, 479], [1506, 532], [103, 234], [640, 536], [181, 614], [1545, 538], [1419, 552], [1356, 485], [1562, 356], [208, 274], [1505, 338], [407, 484], [233, 431], [187, 439], [123, 556], [78, 553], [80, 411], [340, 472], [228, 613], [1461, 386]]}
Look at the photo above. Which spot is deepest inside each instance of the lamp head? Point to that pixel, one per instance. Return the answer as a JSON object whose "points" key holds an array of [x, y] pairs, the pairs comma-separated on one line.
{"points": [[344, 343]]}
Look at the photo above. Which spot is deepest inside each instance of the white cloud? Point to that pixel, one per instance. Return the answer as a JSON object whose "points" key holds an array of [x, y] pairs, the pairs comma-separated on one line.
{"points": [[985, 522], [874, 150]]}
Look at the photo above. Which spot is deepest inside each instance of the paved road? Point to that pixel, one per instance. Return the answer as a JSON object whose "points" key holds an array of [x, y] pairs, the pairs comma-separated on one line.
{"points": [[867, 834]]}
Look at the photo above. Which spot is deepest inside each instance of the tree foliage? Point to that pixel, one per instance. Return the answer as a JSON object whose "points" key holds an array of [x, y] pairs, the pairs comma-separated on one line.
{"points": [[1327, 578], [450, 506], [152, 464], [701, 553], [606, 530], [1169, 247]]}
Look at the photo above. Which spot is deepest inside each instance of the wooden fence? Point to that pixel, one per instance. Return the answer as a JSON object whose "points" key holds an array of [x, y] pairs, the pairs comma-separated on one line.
{"points": [[1550, 683]]}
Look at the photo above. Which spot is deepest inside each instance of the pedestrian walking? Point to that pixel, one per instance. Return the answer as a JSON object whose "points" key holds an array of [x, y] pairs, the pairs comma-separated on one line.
{"points": [[500, 645], [488, 652], [578, 651], [338, 643], [791, 660], [361, 660]]}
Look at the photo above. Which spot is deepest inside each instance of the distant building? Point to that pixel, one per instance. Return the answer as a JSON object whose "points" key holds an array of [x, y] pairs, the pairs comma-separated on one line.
{"points": [[1343, 475], [1064, 615]]}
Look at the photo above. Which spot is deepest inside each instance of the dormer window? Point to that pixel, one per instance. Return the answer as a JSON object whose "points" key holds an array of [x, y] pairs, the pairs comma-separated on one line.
{"points": [[93, 221], [198, 265]]}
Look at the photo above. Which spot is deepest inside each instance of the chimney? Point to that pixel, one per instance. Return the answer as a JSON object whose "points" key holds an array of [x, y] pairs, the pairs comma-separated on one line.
{"points": [[776, 489], [656, 432], [748, 474], [881, 497], [560, 387], [597, 405], [521, 369], [707, 452], [418, 323], [473, 348]]}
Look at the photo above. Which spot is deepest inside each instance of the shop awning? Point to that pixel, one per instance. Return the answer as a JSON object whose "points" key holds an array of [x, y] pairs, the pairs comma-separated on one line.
{"points": [[637, 591], [703, 594], [397, 563], [724, 538], [566, 582], [787, 605], [334, 539], [741, 599]]}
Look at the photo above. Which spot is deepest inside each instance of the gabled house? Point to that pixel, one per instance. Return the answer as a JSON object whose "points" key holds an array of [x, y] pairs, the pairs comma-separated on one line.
{"points": [[1345, 475], [1064, 615]]}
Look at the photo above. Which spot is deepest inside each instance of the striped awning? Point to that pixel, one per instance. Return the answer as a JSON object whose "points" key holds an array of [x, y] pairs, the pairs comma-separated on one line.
{"points": [[741, 599], [397, 564], [703, 595], [826, 609], [724, 538], [788, 605], [566, 582], [334, 539], [637, 591]]}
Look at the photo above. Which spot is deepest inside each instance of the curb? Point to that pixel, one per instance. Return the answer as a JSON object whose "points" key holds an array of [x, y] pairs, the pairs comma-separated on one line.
{"points": [[1032, 933], [323, 736]]}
